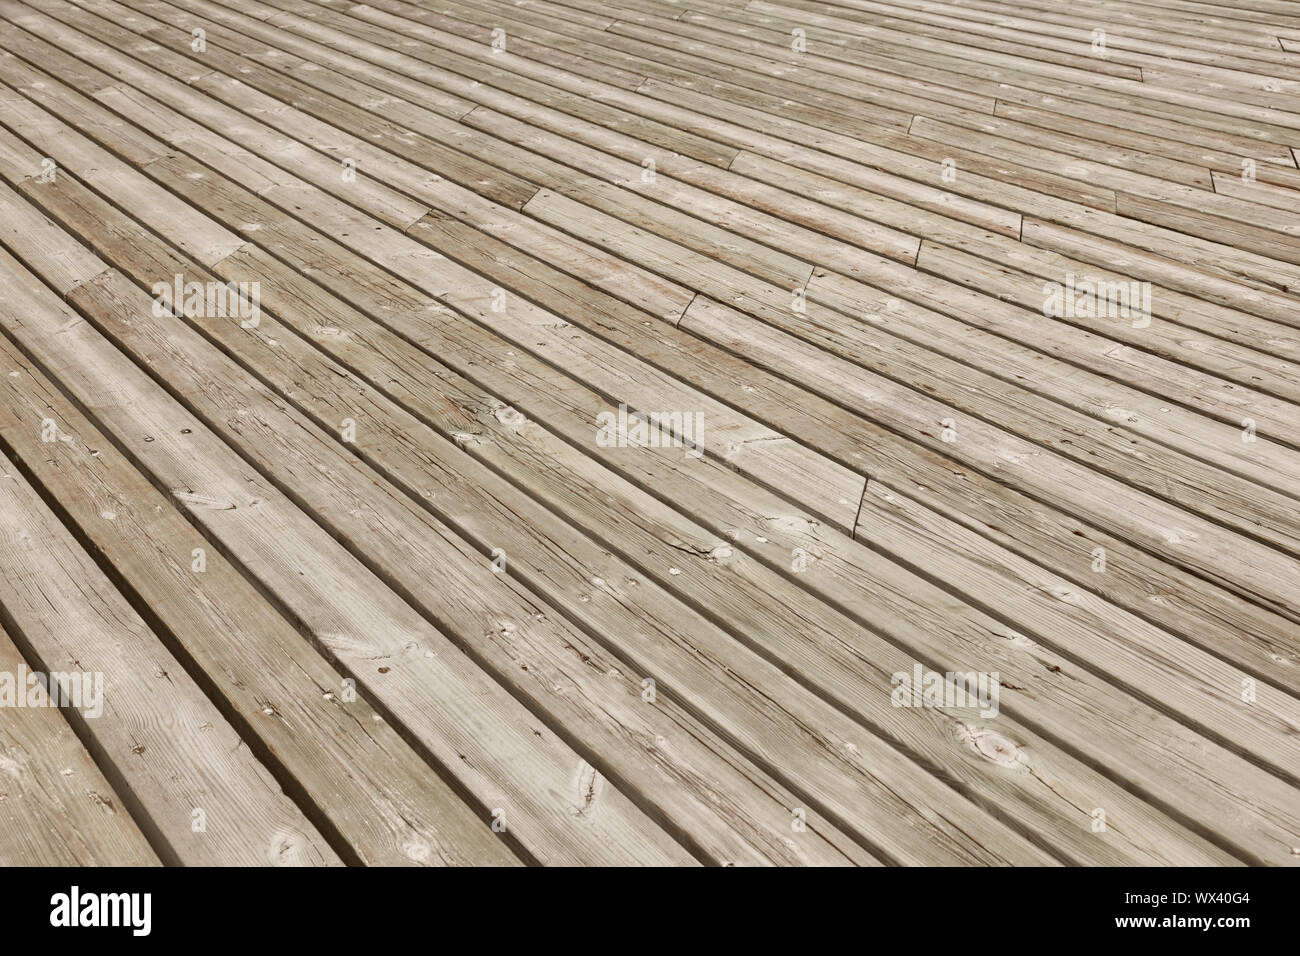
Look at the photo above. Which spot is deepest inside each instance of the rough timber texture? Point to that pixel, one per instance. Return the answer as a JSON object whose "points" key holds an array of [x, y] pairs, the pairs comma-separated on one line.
{"points": [[581, 423]]}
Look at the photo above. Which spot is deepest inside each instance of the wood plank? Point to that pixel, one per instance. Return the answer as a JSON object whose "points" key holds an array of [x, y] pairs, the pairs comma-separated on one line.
{"points": [[835, 259], [741, 441], [674, 674], [176, 762], [56, 807], [1174, 332], [1128, 92], [734, 663], [809, 415], [400, 812], [361, 621], [1166, 529]]}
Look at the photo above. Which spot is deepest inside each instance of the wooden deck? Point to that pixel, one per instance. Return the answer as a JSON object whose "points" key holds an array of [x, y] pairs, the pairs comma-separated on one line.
{"points": [[627, 402]]}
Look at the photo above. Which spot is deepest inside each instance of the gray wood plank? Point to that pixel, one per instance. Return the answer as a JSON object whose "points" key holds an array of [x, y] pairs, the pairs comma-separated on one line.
{"points": [[176, 762], [56, 807]]}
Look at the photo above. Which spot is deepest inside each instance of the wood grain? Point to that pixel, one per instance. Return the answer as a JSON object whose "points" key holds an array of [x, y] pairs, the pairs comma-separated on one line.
{"points": [[452, 624]]}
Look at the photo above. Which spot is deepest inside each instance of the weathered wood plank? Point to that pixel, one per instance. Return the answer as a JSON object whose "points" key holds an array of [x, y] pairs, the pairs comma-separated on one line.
{"points": [[735, 663], [527, 771], [800, 267], [56, 807], [399, 812], [175, 761], [674, 670]]}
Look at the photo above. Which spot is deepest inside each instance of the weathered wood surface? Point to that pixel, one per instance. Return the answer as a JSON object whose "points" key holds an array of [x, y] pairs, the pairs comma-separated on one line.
{"points": [[811, 244], [56, 807]]}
